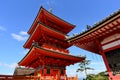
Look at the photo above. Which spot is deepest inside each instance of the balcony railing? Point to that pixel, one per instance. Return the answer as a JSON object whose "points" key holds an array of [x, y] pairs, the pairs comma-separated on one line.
{"points": [[11, 77]]}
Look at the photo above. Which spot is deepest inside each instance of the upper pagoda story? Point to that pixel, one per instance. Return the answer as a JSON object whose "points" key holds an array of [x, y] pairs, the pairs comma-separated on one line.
{"points": [[48, 29], [47, 18], [100, 34], [44, 34]]}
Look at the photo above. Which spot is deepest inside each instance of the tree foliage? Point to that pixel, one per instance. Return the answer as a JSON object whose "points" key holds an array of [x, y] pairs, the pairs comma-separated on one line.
{"points": [[83, 66], [99, 76]]}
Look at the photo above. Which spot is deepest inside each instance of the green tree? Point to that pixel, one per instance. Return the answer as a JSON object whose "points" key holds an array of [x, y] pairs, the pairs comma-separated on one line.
{"points": [[91, 76], [100, 76], [83, 66]]}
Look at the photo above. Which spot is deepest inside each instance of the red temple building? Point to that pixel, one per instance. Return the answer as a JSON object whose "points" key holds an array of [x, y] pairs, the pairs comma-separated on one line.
{"points": [[47, 45], [103, 39]]}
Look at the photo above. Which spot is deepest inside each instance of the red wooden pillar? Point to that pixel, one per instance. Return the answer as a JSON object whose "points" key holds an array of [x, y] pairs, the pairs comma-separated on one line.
{"points": [[65, 72], [51, 71], [104, 59], [45, 70], [107, 66]]}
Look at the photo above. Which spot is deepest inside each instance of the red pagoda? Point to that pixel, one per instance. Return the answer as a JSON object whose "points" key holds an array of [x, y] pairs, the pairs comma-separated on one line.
{"points": [[47, 45], [103, 39]]}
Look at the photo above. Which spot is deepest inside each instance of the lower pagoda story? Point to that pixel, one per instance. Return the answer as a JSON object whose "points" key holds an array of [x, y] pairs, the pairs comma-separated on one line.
{"points": [[48, 62]]}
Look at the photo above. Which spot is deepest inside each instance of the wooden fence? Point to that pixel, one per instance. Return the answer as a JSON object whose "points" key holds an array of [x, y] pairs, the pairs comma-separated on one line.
{"points": [[10, 77]]}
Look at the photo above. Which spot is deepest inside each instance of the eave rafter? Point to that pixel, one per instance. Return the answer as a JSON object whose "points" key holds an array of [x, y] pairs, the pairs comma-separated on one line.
{"points": [[87, 40], [33, 62], [55, 62], [62, 43], [38, 56], [101, 32], [60, 23], [52, 61], [50, 23]]}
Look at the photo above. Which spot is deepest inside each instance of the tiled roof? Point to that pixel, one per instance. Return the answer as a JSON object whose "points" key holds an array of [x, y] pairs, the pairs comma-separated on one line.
{"points": [[95, 25]]}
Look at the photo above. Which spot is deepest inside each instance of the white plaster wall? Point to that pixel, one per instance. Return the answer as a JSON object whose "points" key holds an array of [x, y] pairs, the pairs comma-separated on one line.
{"points": [[111, 38], [112, 44]]}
